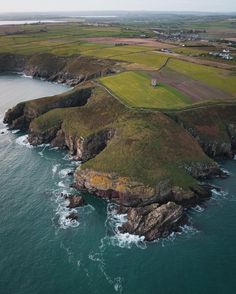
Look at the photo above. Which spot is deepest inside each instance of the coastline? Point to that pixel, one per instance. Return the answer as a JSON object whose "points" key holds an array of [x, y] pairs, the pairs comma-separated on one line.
{"points": [[123, 197]]}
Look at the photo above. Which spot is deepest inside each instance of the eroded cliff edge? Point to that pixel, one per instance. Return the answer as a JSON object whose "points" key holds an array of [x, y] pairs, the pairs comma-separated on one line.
{"points": [[148, 163], [69, 70]]}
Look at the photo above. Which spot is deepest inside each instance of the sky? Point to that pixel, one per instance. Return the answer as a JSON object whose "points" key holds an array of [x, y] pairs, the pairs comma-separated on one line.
{"points": [[154, 5]]}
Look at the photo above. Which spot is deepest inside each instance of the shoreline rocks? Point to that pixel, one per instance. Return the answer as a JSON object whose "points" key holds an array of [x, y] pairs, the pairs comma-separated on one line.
{"points": [[72, 216], [154, 221], [75, 201]]}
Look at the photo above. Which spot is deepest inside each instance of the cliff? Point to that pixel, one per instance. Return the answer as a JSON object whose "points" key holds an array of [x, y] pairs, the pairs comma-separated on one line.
{"points": [[148, 163], [70, 70], [214, 128]]}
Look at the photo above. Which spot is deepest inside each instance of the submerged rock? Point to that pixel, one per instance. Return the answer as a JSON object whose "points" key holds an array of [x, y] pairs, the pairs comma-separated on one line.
{"points": [[154, 221], [72, 216]]}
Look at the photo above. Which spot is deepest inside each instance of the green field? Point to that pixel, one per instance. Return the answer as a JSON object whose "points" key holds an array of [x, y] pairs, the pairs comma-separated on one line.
{"points": [[132, 54], [61, 39], [135, 89], [224, 80]]}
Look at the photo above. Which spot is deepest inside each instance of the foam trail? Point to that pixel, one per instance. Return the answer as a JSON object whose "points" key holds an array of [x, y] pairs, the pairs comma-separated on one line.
{"points": [[63, 212], [64, 172], [26, 76], [15, 131], [44, 147], [55, 168], [61, 184], [198, 208]]}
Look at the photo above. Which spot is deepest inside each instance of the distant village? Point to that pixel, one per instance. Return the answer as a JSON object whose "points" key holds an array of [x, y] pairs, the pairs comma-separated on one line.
{"points": [[179, 36]]}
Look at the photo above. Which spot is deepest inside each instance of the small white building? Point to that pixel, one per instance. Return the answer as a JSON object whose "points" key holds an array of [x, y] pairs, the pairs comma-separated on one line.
{"points": [[154, 82]]}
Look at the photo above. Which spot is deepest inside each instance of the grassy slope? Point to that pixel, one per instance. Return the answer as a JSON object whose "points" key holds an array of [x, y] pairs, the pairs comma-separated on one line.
{"points": [[211, 123], [143, 146], [136, 90]]}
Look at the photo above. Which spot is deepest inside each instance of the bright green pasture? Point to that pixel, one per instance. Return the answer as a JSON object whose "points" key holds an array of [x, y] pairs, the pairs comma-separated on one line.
{"points": [[135, 89]]}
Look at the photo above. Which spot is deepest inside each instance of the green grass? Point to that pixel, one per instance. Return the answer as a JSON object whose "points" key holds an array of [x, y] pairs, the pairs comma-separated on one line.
{"points": [[135, 89], [211, 76], [190, 51], [141, 55], [61, 39], [142, 148]]}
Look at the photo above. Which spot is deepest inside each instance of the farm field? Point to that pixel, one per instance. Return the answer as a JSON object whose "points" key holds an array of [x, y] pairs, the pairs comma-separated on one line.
{"points": [[135, 89], [223, 80], [65, 38], [183, 80]]}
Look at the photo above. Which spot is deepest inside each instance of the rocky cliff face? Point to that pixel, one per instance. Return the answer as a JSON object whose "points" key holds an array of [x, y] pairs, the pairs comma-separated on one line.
{"points": [[68, 70], [232, 135], [22, 114], [12, 63], [214, 128], [128, 192], [85, 148]]}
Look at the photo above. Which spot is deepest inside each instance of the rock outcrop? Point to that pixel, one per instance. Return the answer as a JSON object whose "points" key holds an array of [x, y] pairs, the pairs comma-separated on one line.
{"points": [[203, 170], [154, 221], [127, 192], [73, 216], [85, 148], [75, 201]]}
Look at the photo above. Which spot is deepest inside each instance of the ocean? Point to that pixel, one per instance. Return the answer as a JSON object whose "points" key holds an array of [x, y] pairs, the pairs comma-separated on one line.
{"points": [[41, 252]]}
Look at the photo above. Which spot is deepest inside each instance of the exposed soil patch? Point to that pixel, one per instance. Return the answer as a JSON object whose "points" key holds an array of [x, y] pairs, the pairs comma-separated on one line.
{"points": [[189, 87]]}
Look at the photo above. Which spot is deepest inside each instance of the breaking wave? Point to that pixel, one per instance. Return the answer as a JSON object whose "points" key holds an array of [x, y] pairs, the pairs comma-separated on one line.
{"points": [[4, 131], [55, 168], [124, 240], [23, 141]]}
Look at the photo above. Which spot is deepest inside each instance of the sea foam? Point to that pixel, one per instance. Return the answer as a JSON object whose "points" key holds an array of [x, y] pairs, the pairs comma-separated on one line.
{"points": [[123, 240], [23, 141]]}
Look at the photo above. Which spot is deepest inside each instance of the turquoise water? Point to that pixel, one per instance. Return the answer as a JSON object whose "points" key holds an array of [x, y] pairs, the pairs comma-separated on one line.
{"points": [[42, 253]]}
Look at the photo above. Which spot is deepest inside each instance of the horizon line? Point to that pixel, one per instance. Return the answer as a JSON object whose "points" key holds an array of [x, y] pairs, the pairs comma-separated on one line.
{"points": [[127, 10]]}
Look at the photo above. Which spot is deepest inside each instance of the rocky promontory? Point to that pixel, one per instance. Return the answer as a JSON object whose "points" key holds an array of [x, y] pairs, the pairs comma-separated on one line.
{"points": [[148, 163]]}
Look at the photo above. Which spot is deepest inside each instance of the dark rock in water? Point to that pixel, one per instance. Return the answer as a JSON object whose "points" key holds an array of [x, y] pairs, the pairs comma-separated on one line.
{"points": [[75, 201], [154, 221], [73, 185], [211, 187], [2, 133], [70, 174], [72, 216]]}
